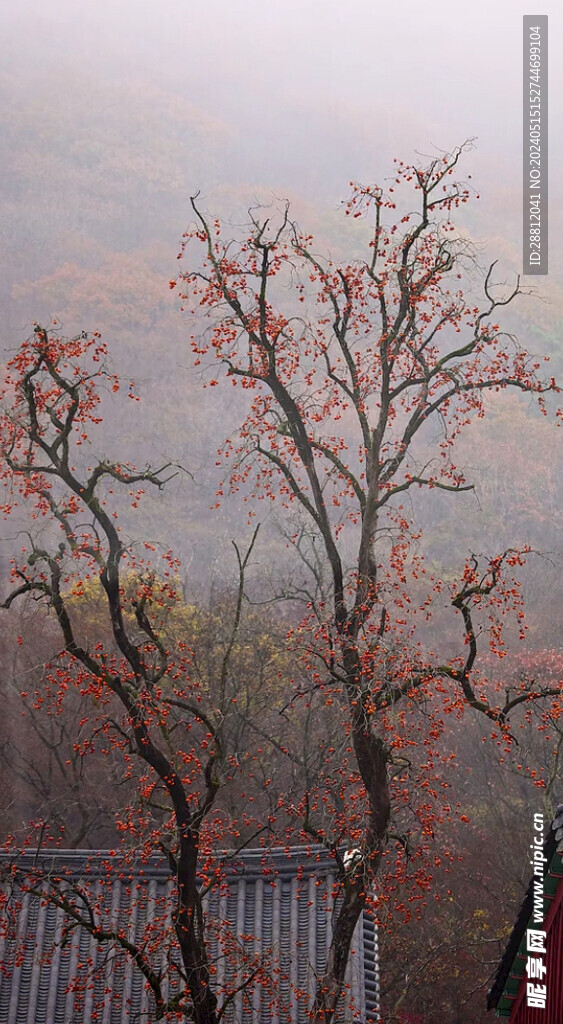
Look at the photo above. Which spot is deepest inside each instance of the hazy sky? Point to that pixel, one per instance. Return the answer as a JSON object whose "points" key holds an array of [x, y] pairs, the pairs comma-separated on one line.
{"points": [[301, 95], [354, 80], [310, 94]]}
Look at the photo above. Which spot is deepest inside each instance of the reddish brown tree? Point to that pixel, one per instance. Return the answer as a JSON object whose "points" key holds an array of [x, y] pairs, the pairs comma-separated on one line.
{"points": [[139, 687], [193, 706], [343, 384], [349, 367]]}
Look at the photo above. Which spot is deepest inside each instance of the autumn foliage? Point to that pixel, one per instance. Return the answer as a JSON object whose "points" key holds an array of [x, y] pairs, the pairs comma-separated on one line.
{"points": [[360, 377], [344, 378]]}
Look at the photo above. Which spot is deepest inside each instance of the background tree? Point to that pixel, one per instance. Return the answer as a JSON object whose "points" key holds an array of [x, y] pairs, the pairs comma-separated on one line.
{"points": [[47, 772], [345, 376]]}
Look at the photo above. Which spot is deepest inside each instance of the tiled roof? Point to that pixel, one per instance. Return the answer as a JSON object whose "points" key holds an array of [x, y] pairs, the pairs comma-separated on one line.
{"points": [[279, 904]]}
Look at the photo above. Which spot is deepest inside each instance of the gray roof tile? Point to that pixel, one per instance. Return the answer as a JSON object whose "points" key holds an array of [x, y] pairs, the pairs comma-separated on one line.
{"points": [[280, 902]]}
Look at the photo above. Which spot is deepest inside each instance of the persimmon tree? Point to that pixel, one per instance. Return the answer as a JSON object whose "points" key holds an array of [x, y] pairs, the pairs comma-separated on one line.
{"points": [[351, 370], [194, 706], [148, 698], [344, 385]]}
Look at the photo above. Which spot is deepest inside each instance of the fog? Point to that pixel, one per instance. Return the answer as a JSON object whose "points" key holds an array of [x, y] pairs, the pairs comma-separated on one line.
{"points": [[312, 93], [113, 113]]}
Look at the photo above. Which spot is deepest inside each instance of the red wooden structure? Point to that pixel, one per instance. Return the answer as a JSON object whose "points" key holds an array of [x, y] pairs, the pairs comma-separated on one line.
{"points": [[528, 987]]}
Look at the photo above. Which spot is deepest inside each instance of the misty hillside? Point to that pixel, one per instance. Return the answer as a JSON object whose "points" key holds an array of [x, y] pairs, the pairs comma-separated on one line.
{"points": [[111, 117]]}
